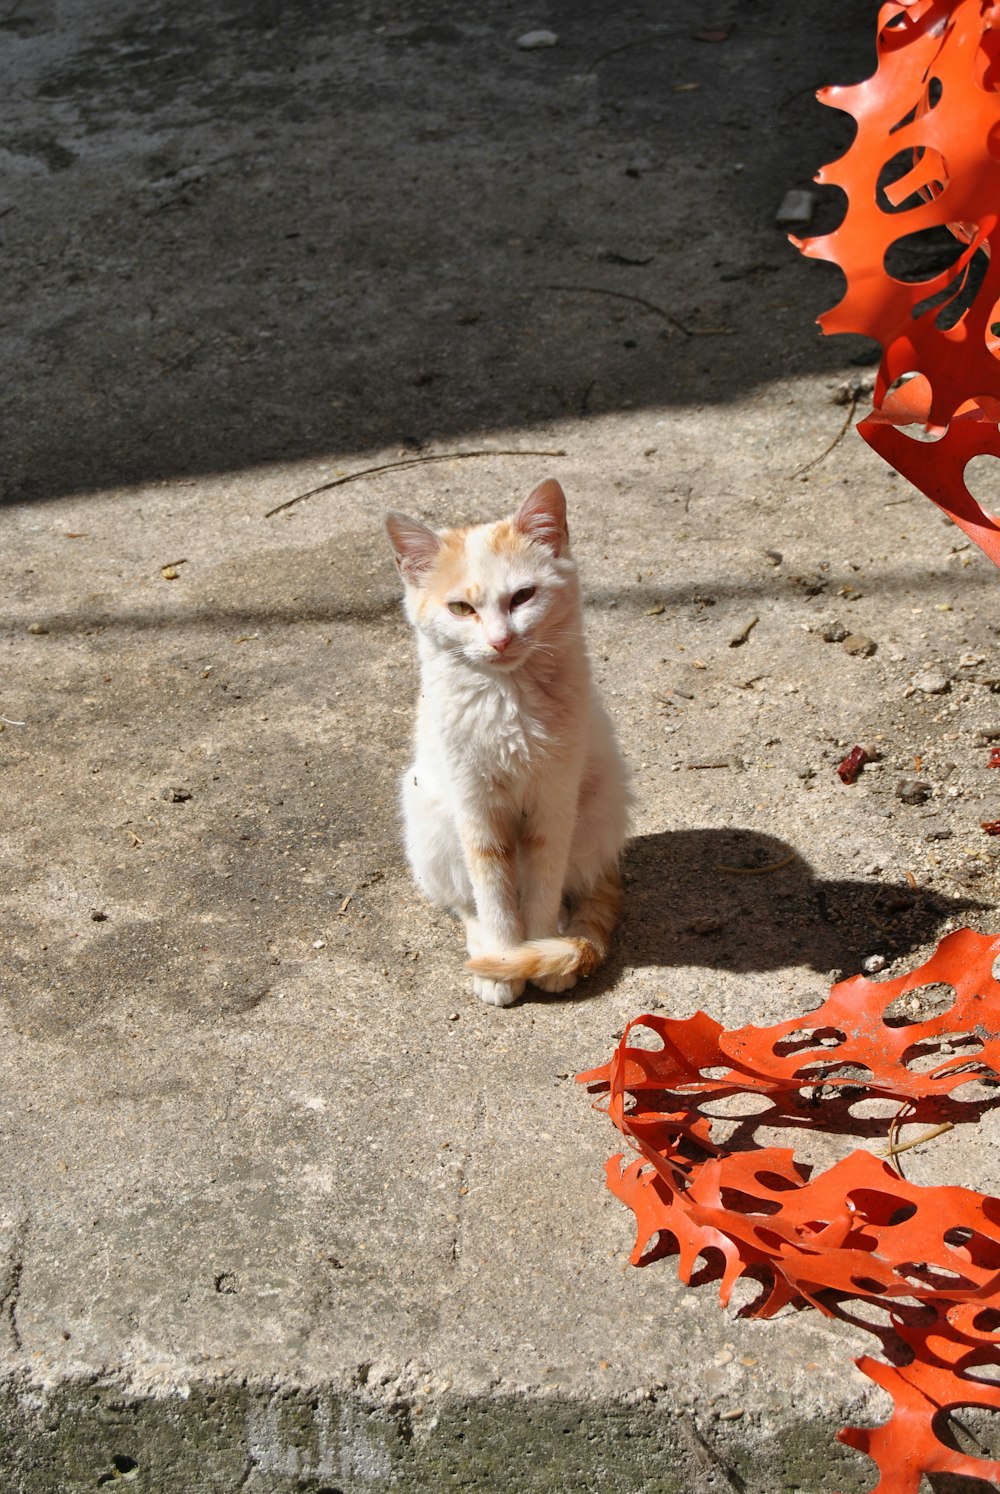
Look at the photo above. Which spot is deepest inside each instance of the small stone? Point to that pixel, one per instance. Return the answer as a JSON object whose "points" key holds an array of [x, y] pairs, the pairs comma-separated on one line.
{"points": [[169, 573], [97, 916], [796, 209], [174, 794], [851, 390], [930, 683], [705, 925], [913, 790], [859, 645], [940, 833], [37, 630], [733, 1415], [833, 632], [533, 41], [871, 964], [774, 556]]}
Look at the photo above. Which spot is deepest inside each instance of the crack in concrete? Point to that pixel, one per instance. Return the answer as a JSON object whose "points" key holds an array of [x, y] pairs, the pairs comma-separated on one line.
{"points": [[10, 1285]]}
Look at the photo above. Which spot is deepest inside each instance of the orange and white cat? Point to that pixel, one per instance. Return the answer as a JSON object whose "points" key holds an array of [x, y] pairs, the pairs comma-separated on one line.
{"points": [[516, 803]]}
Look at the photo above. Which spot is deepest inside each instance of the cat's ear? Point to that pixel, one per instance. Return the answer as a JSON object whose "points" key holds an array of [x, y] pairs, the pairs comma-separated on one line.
{"points": [[542, 516], [414, 546]]}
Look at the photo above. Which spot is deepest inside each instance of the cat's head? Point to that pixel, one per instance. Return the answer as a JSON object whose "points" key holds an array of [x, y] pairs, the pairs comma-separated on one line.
{"points": [[496, 594]]}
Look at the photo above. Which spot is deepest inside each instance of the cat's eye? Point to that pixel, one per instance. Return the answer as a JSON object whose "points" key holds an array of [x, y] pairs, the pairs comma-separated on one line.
{"points": [[461, 609], [524, 595]]}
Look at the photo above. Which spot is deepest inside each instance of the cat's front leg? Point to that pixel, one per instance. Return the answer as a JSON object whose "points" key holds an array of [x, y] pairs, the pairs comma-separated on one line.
{"points": [[491, 861], [545, 847], [493, 992]]}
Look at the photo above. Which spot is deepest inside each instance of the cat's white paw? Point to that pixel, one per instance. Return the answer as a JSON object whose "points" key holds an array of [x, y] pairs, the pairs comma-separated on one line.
{"points": [[554, 983], [497, 992]]}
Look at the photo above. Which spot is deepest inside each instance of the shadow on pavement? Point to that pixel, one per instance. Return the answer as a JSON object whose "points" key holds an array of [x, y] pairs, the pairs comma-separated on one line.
{"points": [[249, 233], [740, 900]]}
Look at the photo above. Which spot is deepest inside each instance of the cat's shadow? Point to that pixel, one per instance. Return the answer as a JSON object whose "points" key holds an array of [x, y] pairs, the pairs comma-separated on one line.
{"points": [[739, 900]]}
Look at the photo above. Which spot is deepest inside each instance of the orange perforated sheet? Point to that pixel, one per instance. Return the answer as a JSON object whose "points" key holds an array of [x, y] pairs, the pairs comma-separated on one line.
{"points": [[926, 155], [928, 1257]]}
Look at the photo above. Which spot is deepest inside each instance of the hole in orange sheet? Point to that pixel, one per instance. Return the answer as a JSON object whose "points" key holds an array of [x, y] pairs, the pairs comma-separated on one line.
{"points": [[928, 100], [747, 1203], [927, 254], [982, 478], [969, 1427], [909, 178], [975, 1247], [843, 1073], [987, 1321], [907, 401], [981, 1367], [804, 1039], [955, 299], [926, 1274], [935, 1052], [879, 1208], [918, 1004]]}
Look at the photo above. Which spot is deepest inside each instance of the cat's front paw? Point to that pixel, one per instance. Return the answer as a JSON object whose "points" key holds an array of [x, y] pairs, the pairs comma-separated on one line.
{"points": [[554, 983], [497, 992]]}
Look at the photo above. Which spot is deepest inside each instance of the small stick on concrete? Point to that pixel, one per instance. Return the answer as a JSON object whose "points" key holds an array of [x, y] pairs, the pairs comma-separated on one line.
{"points": [[852, 406], [441, 456], [756, 871], [904, 1146], [600, 290], [893, 1133]]}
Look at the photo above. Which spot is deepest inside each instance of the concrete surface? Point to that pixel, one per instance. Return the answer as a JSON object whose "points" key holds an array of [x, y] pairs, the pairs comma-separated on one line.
{"points": [[281, 1207]]}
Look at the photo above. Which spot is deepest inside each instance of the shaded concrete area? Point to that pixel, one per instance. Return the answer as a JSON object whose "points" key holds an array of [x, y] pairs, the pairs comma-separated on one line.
{"points": [[257, 231]]}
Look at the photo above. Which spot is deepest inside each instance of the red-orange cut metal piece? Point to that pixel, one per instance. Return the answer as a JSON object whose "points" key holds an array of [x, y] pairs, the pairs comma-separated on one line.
{"points": [[858, 1231], [926, 157]]}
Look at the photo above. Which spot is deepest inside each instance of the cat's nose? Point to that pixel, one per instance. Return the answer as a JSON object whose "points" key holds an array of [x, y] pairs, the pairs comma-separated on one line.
{"points": [[500, 643]]}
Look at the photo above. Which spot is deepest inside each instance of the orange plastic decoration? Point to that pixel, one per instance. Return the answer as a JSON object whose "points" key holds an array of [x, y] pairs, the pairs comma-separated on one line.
{"points": [[929, 1258], [926, 155]]}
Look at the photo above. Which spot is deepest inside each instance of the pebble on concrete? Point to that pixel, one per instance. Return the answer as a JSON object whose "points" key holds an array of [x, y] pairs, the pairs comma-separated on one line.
{"points": [[913, 790], [931, 683], [532, 41], [796, 208]]}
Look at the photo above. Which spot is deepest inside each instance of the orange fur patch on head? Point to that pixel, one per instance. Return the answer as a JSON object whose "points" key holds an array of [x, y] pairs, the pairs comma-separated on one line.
{"points": [[447, 579], [505, 539]]}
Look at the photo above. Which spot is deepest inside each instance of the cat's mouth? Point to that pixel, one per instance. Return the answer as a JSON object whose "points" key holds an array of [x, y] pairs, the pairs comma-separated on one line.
{"points": [[509, 659]]}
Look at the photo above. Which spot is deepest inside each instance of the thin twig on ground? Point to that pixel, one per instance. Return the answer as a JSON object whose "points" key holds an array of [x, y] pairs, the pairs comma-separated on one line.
{"points": [[756, 871], [851, 408], [600, 290], [440, 456], [904, 1146]]}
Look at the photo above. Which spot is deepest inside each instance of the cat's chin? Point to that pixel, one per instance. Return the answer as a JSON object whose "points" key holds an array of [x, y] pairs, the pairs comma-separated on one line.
{"points": [[503, 663]]}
